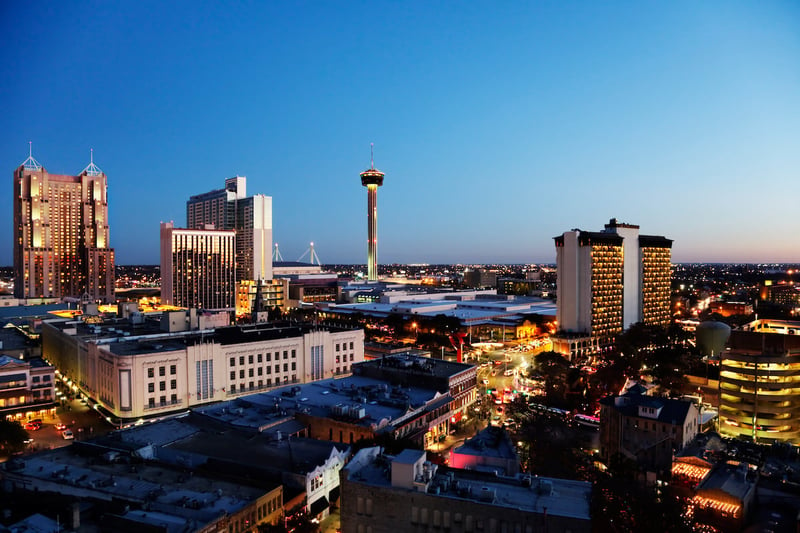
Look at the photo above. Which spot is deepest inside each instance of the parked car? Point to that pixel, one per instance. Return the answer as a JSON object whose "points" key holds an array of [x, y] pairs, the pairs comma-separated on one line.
{"points": [[61, 427], [33, 426], [67, 434]]}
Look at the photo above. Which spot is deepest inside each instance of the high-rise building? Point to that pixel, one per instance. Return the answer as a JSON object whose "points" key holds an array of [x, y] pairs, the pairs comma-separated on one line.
{"points": [[372, 178], [250, 216], [198, 267], [61, 242], [607, 281]]}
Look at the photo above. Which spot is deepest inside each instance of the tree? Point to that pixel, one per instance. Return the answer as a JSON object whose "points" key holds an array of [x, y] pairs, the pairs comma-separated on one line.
{"points": [[12, 437], [553, 367]]}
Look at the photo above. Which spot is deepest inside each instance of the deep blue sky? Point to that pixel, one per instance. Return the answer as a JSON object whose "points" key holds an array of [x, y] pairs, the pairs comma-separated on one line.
{"points": [[499, 124]]}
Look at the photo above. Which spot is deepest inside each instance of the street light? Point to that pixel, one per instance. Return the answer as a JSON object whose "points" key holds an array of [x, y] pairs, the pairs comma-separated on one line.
{"points": [[416, 331]]}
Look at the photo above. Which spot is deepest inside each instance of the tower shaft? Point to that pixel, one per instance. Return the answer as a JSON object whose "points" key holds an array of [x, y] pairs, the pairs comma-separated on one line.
{"points": [[372, 232]]}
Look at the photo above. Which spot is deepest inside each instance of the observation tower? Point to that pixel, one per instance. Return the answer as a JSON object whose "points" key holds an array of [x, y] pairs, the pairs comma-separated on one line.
{"points": [[372, 178]]}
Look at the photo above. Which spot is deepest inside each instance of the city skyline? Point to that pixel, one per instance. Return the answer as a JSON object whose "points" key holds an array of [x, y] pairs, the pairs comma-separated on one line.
{"points": [[498, 127]]}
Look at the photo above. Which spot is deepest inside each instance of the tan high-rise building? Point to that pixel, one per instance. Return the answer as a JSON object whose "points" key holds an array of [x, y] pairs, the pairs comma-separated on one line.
{"points": [[61, 241], [608, 281]]}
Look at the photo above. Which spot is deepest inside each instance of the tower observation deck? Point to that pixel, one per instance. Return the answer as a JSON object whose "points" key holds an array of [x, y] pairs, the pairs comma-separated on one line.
{"points": [[372, 178]]}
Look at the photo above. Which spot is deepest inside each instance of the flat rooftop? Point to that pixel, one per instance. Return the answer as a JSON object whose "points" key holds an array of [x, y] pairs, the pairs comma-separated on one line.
{"points": [[561, 497], [190, 497]]}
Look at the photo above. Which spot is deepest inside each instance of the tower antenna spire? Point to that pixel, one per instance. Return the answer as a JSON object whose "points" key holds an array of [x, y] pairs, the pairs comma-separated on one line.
{"points": [[30, 148], [31, 163], [371, 158]]}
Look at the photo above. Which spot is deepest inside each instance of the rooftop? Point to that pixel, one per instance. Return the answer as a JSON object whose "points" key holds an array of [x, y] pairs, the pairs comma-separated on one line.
{"points": [[561, 497]]}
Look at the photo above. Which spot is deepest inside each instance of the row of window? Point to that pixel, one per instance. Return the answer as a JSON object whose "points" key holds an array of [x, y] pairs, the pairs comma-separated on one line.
{"points": [[162, 371], [162, 401], [343, 346], [251, 372], [260, 384], [260, 358], [162, 386]]}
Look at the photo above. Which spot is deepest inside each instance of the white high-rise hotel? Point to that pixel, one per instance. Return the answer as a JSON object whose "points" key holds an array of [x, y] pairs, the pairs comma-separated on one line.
{"points": [[607, 281]]}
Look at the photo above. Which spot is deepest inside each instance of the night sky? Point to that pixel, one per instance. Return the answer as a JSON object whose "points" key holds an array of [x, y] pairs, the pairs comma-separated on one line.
{"points": [[498, 124]]}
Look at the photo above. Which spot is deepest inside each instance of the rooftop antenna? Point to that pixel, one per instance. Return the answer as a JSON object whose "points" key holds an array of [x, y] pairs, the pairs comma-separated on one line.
{"points": [[31, 163], [371, 158], [92, 169], [276, 255]]}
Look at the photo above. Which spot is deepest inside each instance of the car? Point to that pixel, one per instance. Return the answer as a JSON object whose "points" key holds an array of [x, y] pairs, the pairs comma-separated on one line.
{"points": [[67, 434], [33, 426], [61, 427]]}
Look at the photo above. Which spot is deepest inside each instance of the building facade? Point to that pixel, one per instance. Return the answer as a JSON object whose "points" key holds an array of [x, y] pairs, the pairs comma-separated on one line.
{"points": [[760, 382], [198, 267], [27, 388], [646, 429], [61, 238], [387, 494], [136, 370], [608, 281]]}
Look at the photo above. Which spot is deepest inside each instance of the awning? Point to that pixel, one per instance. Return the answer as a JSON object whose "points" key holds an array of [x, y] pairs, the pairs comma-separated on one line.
{"points": [[333, 496], [318, 506]]}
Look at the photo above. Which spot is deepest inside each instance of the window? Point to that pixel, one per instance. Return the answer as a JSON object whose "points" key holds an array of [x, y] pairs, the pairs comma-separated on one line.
{"points": [[269, 381], [285, 354], [269, 370], [351, 356], [151, 402], [294, 354], [260, 371], [250, 359], [162, 385], [337, 346], [151, 387], [173, 398], [277, 368], [285, 367], [233, 361], [351, 345], [162, 400], [173, 370], [162, 371], [233, 374], [46, 378], [151, 373], [36, 379], [241, 360], [250, 373], [173, 384], [269, 357], [294, 366], [241, 374], [251, 385], [260, 357], [337, 360], [233, 388]]}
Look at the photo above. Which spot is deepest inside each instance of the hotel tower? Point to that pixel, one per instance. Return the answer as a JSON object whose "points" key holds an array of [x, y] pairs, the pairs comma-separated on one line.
{"points": [[607, 281], [61, 244]]}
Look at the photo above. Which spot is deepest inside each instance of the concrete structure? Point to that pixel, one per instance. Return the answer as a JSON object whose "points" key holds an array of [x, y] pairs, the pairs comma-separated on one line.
{"points": [[759, 382], [198, 268], [386, 494], [149, 367], [372, 178], [27, 388], [491, 450], [480, 278], [608, 281], [646, 429], [61, 240]]}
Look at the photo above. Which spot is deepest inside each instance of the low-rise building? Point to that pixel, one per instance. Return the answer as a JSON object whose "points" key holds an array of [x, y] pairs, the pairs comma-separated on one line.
{"points": [[27, 388], [646, 429], [491, 450], [382, 493], [147, 366]]}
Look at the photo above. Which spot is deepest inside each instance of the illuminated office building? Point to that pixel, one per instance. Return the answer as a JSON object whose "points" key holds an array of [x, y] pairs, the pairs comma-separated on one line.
{"points": [[607, 281], [61, 242], [250, 216], [198, 267]]}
